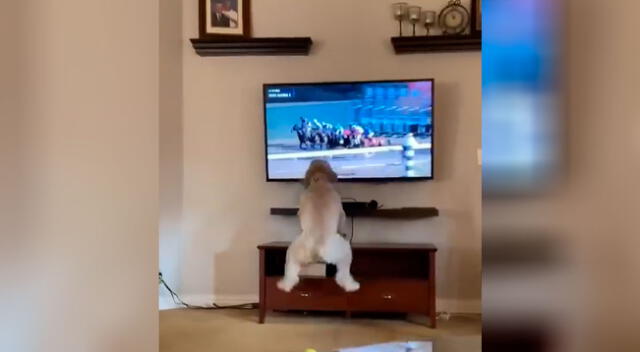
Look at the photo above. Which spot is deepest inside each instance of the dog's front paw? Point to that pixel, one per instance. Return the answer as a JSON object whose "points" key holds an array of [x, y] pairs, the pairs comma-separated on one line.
{"points": [[286, 284]]}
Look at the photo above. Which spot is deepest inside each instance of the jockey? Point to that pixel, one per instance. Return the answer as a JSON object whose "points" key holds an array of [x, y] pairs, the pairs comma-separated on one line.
{"points": [[303, 123], [358, 129]]}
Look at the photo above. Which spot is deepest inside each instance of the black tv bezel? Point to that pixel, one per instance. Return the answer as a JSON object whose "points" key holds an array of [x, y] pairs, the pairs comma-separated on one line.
{"points": [[357, 179]]}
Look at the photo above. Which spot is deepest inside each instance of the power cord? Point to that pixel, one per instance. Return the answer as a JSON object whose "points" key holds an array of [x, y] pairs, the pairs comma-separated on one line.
{"points": [[177, 300]]}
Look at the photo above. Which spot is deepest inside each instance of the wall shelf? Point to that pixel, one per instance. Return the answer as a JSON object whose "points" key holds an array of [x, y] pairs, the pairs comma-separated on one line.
{"points": [[399, 213], [439, 43], [240, 46]]}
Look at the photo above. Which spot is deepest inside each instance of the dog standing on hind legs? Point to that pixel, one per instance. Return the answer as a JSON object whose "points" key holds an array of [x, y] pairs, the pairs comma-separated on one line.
{"points": [[321, 215]]}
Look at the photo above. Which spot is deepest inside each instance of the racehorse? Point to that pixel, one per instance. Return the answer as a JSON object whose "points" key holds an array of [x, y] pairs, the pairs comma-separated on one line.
{"points": [[316, 135], [304, 135]]}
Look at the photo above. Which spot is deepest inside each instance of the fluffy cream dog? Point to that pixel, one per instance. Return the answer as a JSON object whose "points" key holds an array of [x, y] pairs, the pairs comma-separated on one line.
{"points": [[321, 215]]}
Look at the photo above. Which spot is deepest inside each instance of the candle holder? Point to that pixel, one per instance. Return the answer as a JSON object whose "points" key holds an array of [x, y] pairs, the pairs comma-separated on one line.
{"points": [[414, 16], [429, 20], [399, 13]]}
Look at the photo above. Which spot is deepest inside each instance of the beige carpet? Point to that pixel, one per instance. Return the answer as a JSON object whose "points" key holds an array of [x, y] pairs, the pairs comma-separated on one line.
{"points": [[183, 330]]}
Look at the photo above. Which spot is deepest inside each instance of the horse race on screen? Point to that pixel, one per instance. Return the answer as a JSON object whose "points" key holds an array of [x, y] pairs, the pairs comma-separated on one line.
{"points": [[368, 130]]}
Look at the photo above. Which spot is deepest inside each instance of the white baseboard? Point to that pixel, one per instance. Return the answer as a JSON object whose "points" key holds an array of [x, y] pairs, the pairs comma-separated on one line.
{"points": [[442, 304], [473, 306]]}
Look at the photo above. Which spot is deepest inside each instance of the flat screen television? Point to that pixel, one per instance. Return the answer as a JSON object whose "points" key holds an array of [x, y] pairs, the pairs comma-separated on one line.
{"points": [[367, 131]]}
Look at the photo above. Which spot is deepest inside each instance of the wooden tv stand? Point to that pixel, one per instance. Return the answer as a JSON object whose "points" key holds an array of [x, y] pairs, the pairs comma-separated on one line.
{"points": [[393, 278]]}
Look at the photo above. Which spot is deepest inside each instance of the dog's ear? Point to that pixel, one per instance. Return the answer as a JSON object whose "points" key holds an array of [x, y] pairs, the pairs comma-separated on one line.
{"points": [[333, 177], [306, 182], [327, 170]]}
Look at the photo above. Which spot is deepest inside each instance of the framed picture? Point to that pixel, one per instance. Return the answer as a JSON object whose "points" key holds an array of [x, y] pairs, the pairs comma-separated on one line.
{"points": [[476, 16], [225, 18]]}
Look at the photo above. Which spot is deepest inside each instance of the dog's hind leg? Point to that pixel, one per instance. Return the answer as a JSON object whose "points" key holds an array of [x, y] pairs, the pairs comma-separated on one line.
{"points": [[290, 279], [343, 276], [338, 251], [296, 254]]}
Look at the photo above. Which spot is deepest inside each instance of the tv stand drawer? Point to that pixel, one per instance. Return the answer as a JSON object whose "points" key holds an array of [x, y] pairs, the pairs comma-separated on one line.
{"points": [[391, 295], [308, 294]]}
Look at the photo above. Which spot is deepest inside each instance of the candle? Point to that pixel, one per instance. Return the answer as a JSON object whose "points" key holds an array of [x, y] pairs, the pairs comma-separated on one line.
{"points": [[429, 17], [414, 13], [399, 9]]}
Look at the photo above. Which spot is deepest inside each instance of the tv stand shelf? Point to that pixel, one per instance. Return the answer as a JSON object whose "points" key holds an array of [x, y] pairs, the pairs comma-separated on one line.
{"points": [[398, 213]]}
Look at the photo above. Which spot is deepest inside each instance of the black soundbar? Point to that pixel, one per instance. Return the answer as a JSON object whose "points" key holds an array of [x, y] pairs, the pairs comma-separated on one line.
{"points": [[351, 207], [391, 213]]}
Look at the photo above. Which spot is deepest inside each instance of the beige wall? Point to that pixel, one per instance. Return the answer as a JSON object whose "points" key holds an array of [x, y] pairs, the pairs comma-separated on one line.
{"points": [[170, 239], [226, 200], [78, 202]]}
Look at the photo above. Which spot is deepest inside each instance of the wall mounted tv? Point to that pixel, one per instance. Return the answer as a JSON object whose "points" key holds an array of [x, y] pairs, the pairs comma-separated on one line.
{"points": [[368, 131]]}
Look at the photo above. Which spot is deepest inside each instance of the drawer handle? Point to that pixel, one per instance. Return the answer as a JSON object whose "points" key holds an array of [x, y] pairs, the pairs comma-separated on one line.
{"points": [[387, 296], [304, 294]]}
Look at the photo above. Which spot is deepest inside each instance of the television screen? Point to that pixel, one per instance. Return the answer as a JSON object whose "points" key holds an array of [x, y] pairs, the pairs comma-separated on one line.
{"points": [[367, 131]]}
